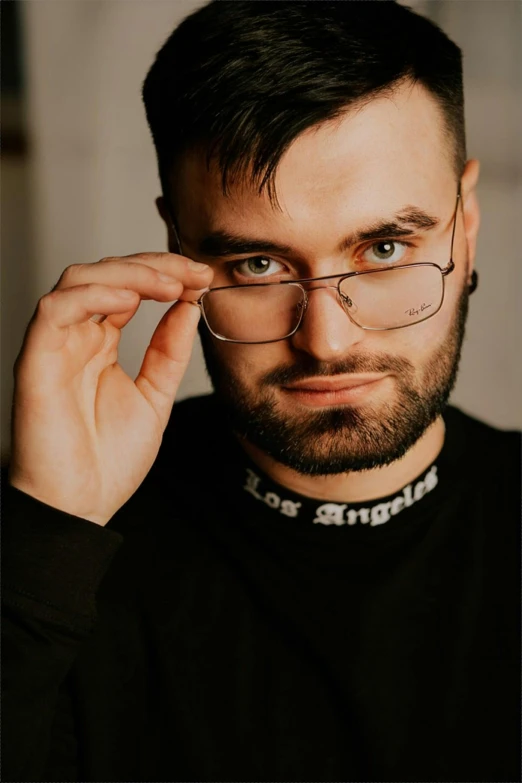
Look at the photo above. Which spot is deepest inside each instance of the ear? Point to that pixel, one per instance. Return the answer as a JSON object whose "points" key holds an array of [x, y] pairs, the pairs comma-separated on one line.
{"points": [[470, 208], [172, 238]]}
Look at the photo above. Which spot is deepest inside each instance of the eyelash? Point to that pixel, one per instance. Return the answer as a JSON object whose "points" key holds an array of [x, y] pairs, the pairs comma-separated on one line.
{"points": [[232, 266]]}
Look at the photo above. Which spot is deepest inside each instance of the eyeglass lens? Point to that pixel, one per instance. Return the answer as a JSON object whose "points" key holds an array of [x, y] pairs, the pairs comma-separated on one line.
{"points": [[384, 299]]}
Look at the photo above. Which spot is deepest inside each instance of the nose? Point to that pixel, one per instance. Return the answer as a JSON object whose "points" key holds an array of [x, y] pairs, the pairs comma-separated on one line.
{"points": [[326, 332]]}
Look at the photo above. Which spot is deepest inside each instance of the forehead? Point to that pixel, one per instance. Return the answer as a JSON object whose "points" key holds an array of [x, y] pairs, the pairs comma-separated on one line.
{"points": [[390, 151]]}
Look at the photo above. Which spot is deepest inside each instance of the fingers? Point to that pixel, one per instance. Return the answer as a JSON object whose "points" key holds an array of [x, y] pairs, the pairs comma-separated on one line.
{"points": [[164, 277], [167, 357], [121, 319], [146, 273], [59, 310]]}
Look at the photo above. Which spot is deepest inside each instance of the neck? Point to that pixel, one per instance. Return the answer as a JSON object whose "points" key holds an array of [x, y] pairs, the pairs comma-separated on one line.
{"points": [[358, 486]]}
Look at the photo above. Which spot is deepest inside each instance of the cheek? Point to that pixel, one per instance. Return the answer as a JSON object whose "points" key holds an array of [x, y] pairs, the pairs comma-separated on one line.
{"points": [[418, 342], [248, 363]]}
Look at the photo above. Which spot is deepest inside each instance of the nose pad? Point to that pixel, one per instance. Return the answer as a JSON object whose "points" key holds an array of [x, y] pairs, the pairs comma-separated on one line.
{"points": [[327, 333], [301, 307], [348, 304]]}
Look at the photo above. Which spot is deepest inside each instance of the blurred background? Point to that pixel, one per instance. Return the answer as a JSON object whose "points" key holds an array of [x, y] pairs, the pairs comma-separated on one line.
{"points": [[79, 175]]}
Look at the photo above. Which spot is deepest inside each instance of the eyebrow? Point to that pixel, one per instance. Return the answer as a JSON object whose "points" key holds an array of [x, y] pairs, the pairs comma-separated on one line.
{"points": [[220, 243]]}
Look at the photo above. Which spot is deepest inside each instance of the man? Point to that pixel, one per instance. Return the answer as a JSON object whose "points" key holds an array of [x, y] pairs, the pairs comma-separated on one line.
{"points": [[312, 574]]}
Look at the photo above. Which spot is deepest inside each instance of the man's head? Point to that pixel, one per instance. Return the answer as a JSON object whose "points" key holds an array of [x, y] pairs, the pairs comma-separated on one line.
{"points": [[301, 125]]}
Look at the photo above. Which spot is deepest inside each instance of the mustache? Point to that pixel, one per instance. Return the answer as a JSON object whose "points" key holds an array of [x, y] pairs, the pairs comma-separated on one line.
{"points": [[308, 367]]}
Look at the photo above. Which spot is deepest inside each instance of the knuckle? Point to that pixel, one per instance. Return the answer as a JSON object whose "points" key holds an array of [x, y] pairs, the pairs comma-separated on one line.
{"points": [[69, 274], [46, 303]]}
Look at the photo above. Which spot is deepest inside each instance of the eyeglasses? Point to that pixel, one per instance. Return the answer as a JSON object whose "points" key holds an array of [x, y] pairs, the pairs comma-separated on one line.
{"points": [[375, 300]]}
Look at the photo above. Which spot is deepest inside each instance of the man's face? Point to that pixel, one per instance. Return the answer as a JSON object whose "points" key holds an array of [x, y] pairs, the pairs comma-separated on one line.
{"points": [[333, 182]]}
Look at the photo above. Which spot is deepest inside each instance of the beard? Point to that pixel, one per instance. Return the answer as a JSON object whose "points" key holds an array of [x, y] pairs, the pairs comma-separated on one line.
{"points": [[340, 439]]}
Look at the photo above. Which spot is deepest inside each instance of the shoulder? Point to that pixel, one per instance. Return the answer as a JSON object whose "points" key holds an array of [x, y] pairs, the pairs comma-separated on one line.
{"points": [[193, 411], [177, 479], [470, 438], [477, 429], [194, 424]]}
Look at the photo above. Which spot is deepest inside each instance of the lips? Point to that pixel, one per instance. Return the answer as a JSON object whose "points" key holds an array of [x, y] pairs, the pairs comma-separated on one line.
{"points": [[343, 390], [325, 385]]}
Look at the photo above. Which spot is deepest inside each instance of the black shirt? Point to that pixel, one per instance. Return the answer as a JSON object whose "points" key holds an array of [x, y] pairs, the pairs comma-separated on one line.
{"points": [[223, 628]]}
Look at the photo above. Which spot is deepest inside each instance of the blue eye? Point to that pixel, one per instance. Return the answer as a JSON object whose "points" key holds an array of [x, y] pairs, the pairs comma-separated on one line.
{"points": [[259, 266], [385, 251]]}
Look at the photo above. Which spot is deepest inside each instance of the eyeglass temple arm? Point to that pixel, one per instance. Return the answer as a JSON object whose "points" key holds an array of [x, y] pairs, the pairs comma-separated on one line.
{"points": [[451, 264], [180, 249], [175, 230]]}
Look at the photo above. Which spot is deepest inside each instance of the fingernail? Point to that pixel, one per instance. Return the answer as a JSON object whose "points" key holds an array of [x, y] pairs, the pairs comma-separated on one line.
{"points": [[197, 267]]}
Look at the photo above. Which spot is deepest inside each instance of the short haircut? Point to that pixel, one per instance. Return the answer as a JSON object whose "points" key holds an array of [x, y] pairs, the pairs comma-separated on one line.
{"points": [[240, 80]]}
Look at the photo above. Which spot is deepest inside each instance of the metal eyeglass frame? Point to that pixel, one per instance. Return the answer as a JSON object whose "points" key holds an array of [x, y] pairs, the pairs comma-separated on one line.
{"points": [[444, 272]]}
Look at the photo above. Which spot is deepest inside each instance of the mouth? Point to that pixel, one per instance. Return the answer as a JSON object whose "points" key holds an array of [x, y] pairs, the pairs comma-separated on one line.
{"points": [[317, 392]]}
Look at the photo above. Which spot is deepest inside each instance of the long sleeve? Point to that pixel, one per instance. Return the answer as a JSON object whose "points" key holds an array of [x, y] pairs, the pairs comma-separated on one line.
{"points": [[52, 565]]}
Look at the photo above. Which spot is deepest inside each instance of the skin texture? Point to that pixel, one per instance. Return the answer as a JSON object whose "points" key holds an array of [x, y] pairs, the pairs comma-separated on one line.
{"points": [[335, 179]]}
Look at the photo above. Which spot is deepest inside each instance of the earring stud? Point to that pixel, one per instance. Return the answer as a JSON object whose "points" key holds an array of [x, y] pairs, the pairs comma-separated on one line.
{"points": [[474, 282]]}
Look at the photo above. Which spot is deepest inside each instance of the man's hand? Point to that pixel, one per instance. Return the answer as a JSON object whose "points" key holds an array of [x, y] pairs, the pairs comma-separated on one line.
{"points": [[84, 435]]}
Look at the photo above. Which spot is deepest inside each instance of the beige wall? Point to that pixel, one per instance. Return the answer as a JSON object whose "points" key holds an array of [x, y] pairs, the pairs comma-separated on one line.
{"points": [[88, 188]]}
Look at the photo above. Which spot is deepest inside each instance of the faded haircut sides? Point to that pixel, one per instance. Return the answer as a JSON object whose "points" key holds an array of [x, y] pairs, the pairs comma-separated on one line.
{"points": [[240, 80]]}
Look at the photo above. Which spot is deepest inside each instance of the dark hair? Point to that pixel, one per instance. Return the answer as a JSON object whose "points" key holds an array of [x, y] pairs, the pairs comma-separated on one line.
{"points": [[241, 79]]}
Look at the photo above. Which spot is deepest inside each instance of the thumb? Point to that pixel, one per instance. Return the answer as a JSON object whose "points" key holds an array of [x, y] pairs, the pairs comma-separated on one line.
{"points": [[167, 357]]}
